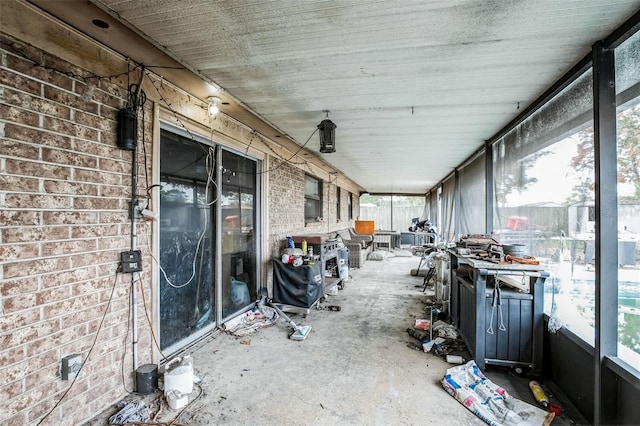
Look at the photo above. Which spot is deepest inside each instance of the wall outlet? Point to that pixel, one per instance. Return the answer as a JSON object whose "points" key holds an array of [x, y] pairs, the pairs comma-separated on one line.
{"points": [[71, 365]]}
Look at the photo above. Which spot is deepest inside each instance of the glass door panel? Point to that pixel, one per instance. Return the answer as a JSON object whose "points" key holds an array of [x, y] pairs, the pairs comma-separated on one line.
{"points": [[238, 206], [187, 267]]}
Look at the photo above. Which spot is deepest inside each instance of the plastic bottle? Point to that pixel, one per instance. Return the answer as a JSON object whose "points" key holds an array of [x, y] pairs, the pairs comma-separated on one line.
{"points": [[304, 247], [539, 394]]}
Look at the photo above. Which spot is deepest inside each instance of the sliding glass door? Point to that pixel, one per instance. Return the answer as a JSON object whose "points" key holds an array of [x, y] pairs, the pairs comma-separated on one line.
{"points": [[238, 209], [208, 250], [187, 240]]}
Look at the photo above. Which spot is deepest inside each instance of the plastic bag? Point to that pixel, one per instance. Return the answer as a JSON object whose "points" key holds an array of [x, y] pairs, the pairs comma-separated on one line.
{"points": [[239, 293]]}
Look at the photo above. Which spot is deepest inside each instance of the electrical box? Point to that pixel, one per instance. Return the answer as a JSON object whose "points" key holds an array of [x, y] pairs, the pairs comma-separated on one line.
{"points": [[71, 365], [131, 261]]}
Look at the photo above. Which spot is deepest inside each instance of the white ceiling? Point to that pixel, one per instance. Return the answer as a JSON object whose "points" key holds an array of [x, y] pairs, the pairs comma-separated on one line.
{"points": [[415, 87]]}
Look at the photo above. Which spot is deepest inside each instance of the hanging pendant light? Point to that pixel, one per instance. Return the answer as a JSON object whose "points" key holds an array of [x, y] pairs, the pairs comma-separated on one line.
{"points": [[327, 130]]}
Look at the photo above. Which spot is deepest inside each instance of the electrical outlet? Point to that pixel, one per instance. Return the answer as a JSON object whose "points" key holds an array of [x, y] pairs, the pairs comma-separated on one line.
{"points": [[71, 365]]}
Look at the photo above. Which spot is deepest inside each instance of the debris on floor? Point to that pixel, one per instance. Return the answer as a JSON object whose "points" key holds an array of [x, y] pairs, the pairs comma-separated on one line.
{"points": [[130, 412], [490, 402], [422, 324], [251, 321], [443, 329]]}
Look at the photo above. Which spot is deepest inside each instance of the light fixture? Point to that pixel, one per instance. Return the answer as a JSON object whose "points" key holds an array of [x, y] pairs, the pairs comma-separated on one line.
{"points": [[213, 106], [127, 129], [327, 135]]}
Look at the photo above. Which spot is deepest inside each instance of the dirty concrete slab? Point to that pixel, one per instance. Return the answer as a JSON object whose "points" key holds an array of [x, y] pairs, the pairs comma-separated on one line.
{"points": [[358, 366]]}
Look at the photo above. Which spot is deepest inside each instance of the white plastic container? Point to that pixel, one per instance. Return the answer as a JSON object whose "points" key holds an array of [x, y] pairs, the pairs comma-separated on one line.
{"points": [[178, 375], [176, 399]]}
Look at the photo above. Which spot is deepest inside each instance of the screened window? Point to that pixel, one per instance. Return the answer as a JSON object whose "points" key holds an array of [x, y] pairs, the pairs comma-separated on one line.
{"points": [[472, 197], [338, 203], [628, 160], [312, 199], [391, 212], [543, 194], [350, 205]]}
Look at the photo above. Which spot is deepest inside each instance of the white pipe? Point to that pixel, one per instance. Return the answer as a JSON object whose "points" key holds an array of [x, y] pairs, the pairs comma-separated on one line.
{"points": [[135, 279]]}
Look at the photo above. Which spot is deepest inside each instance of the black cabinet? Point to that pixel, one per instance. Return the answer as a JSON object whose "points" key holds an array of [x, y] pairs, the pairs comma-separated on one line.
{"points": [[301, 286], [502, 324]]}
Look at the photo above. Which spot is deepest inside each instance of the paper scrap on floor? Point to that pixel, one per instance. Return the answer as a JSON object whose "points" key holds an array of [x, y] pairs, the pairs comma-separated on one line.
{"points": [[490, 402]]}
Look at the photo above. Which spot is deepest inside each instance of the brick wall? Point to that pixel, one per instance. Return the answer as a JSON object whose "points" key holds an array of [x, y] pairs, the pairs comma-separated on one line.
{"points": [[64, 193], [64, 187]]}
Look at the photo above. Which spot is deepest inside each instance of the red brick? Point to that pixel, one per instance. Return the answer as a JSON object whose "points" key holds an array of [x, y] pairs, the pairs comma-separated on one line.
{"points": [[94, 231], [72, 276], [28, 398], [68, 247], [95, 121], [106, 243], [112, 101], [115, 217], [19, 286], [19, 218], [92, 286], [14, 131], [70, 99], [20, 150], [66, 157], [14, 322], [36, 104], [19, 419], [29, 168], [19, 303], [111, 139], [65, 68], [88, 314], [38, 72], [33, 233], [37, 201], [55, 340], [19, 115], [53, 294], [94, 176], [71, 188], [69, 218], [35, 267], [93, 259], [78, 346], [43, 375], [69, 128], [19, 184], [115, 191], [8, 357], [69, 305], [96, 203], [10, 391], [115, 166], [99, 149], [12, 252], [11, 79]]}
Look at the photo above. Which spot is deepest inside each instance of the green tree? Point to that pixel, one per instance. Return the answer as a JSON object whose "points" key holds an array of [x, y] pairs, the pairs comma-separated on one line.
{"points": [[629, 332], [629, 147]]}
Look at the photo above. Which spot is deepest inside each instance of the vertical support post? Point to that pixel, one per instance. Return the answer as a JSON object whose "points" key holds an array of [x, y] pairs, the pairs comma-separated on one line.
{"points": [[488, 169], [606, 226], [456, 205]]}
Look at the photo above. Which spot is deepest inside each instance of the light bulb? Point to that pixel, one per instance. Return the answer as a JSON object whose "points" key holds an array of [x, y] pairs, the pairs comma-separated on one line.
{"points": [[213, 106]]}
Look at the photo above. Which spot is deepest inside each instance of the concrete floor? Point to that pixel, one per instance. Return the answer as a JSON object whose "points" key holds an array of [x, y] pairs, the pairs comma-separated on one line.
{"points": [[358, 366]]}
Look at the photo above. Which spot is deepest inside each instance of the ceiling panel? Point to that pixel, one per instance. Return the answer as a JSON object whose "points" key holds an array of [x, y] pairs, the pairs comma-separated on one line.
{"points": [[415, 87]]}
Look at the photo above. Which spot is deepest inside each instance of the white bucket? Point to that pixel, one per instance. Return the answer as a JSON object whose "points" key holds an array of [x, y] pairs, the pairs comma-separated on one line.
{"points": [[178, 375]]}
